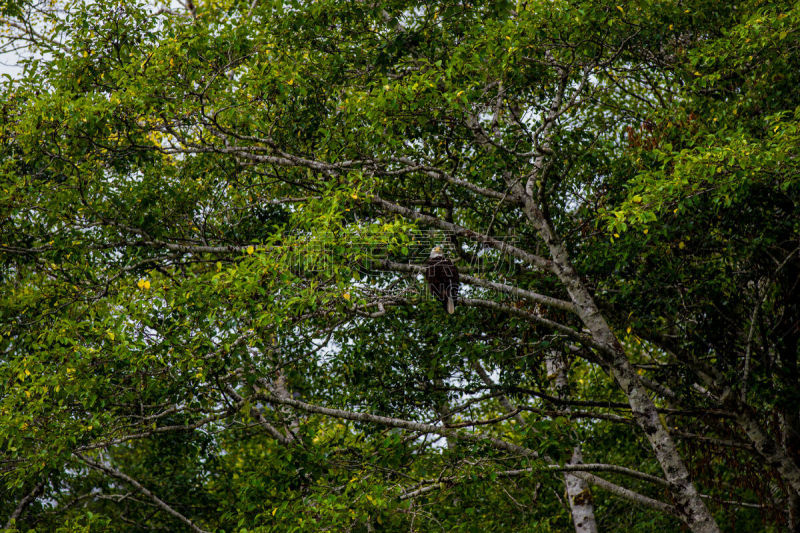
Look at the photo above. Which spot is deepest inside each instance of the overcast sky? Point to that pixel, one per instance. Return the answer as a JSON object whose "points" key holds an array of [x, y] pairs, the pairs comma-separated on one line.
{"points": [[8, 64]]}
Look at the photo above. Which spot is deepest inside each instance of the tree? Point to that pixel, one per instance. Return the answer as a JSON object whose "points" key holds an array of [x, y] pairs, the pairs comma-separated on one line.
{"points": [[213, 233]]}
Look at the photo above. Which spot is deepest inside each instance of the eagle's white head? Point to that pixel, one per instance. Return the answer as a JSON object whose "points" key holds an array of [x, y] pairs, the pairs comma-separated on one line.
{"points": [[437, 252]]}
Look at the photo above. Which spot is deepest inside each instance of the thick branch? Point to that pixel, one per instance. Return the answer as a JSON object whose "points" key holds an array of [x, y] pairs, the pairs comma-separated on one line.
{"points": [[255, 413], [529, 258], [439, 174], [398, 423], [477, 437], [500, 287], [688, 502], [566, 330]]}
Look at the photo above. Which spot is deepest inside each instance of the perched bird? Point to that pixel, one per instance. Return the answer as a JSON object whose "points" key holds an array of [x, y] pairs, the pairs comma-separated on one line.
{"points": [[442, 277]]}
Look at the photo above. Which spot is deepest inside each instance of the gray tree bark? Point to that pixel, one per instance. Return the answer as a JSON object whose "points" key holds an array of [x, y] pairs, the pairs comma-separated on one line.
{"points": [[579, 495], [688, 503]]}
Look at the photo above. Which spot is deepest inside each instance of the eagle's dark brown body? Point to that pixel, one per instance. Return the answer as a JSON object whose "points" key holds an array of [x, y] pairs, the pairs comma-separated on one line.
{"points": [[442, 277]]}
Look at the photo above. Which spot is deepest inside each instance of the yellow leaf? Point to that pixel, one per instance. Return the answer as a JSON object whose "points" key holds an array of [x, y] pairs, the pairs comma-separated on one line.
{"points": [[621, 10], [346, 296], [290, 82], [219, 266], [250, 250], [274, 511], [146, 284], [27, 372], [670, 26], [354, 196], [140, 284], [27, 394], [681, 245], [110, 335]]}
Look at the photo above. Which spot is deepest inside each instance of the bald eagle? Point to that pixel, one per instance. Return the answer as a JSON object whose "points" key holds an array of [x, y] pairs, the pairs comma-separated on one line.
{"points": [[442, 277]]}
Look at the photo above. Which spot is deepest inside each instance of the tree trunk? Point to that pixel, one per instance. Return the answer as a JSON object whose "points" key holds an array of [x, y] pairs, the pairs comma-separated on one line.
{"points": [[687, 499], [581, 504], [580, 498]]}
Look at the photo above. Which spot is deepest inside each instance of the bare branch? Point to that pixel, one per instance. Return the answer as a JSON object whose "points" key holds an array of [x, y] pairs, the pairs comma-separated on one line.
{"points": [[531, 259], [500, 287], [113, 472]]}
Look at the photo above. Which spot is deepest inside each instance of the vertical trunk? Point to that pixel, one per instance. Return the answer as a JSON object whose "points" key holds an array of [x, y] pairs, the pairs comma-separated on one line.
{"points": [[622, 492], [687, 499], [774, 453], [580, 497]]}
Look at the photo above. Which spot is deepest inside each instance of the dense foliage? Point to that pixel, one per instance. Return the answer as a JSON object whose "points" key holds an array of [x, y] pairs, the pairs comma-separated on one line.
{"points": [[213, 225]]}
